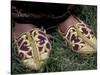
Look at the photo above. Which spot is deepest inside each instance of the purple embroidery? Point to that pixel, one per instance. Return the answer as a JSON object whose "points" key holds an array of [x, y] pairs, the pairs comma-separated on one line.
{"points": [[76, 47], [41, 40], [24, 47], [29, 53], [91, 33], [48, 45], [84, 30], [74, 38]]}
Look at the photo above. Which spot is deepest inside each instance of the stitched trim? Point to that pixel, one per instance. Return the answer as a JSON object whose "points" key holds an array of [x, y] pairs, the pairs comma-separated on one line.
{"points": [[84, 37]]}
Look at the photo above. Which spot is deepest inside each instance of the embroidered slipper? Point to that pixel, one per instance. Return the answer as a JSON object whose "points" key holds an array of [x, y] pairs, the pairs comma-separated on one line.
{"points": [[78, 35], [33, 45]]}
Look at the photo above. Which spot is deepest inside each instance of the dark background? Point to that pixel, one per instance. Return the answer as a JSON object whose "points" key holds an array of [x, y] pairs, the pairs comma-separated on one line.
{"points": [[45, 14]]}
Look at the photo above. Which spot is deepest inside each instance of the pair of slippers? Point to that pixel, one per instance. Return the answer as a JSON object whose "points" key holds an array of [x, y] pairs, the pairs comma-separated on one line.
{"points": [[34, 45]]}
